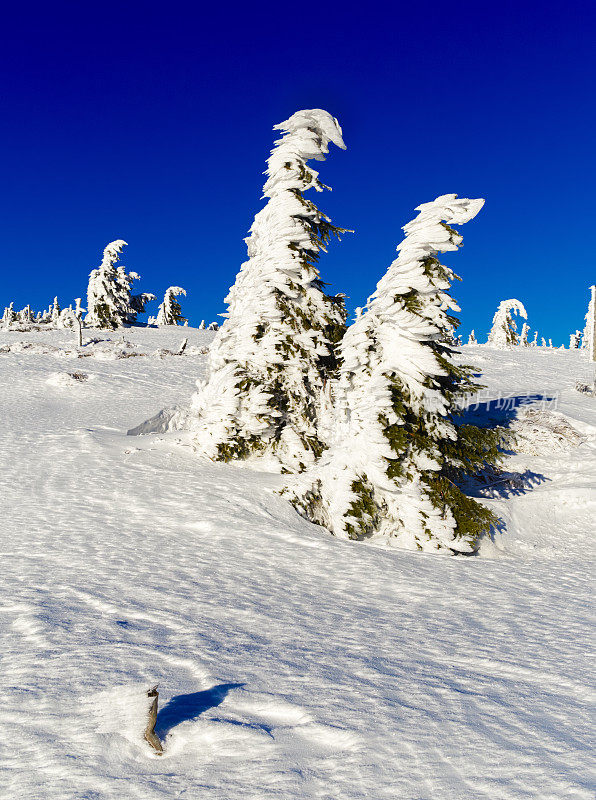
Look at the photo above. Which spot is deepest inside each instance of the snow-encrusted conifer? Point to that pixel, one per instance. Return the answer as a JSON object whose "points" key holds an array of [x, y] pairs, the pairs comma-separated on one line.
{"points": [[523, 337], [105, 303], [589, 337], [213, 326], [110, 303], [169, 312], [575, 340], [25, 315], [472, 338], [273, 355], [503, 333], [398, 454], [202, 325], [9, 316], [55, 309]]}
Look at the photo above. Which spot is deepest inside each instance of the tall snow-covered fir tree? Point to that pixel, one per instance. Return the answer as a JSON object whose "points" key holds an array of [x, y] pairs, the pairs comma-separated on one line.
{"points": [[393, 471], [503, 333], [275, 352], [110, 303], [169, 312], [589, 335]]}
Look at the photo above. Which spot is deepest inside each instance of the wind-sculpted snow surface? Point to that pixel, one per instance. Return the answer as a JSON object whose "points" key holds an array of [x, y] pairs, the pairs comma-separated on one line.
{"points": [[291, 664]]}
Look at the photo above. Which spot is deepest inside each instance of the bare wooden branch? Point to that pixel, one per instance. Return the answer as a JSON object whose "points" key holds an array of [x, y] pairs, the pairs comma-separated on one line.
{"points": [[150, 734]]}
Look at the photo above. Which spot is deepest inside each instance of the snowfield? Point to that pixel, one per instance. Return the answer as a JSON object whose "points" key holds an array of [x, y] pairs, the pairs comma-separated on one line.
{"points": [[290, 664]]}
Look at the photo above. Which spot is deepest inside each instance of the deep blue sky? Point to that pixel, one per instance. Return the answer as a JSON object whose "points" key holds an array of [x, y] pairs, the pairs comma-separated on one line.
{"points": [[152, 122]]}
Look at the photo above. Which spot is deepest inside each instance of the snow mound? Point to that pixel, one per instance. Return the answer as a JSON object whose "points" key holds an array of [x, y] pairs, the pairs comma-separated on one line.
{"points": [[67, 379], [537, 432]]}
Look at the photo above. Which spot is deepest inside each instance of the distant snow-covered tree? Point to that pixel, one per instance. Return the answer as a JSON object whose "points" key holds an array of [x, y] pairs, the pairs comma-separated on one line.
{"points": [[213, 326], [106, 307], [589, 337], [472, 338], [503, 333], [79, 310], [575, 340], [55, 311], [523, 337], [25, 315], [110, 303], [169, 312], [9, 315], [202, 325], [271, 359], [393, 470]]}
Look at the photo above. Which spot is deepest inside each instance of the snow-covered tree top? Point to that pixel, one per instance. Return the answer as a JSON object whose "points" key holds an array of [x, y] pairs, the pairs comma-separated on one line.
{"points": [[112, 251], [426, 235], [306, 135], [176, 291], [506, 306]]}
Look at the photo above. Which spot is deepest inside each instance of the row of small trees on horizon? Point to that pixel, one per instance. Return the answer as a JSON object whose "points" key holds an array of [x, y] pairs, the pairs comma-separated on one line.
{"points": [[111, 303]]}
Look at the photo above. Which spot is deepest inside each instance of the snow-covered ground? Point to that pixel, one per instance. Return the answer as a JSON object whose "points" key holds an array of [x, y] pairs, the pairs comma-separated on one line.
{"points": [[290, 664]]}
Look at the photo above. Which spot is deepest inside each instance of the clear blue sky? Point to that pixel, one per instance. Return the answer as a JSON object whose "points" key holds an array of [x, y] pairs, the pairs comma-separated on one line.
{"points": [[152, 122]]}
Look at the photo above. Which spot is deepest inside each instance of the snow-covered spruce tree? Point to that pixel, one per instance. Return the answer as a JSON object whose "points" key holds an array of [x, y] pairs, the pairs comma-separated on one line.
{"points": [[213, 326], [589, 336], [55, 309], [25, 315], [503, 333], [110, 303], [393, 471], [169, 312], [472, 338], [105, 303], [9, 315], [523, 337], [272, 357]]}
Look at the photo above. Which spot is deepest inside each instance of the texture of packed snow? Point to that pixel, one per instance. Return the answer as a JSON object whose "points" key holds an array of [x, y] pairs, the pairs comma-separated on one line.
{"points": [[290, 664]]}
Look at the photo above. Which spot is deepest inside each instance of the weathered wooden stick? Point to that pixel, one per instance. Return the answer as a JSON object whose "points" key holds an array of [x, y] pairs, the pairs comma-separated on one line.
{"points": [[150, 734], [182, 347]]}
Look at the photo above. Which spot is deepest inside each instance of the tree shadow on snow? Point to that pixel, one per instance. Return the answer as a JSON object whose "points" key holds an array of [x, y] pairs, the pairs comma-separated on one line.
{"points": [[500, 411], [185, 707]]}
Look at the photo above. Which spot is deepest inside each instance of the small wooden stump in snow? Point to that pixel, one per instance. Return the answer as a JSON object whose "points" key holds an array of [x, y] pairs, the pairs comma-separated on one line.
{"points": [[150, 734]]}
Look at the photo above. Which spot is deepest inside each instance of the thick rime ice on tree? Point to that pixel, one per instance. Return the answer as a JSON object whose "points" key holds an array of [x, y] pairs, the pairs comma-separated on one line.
{"points": [[396, 389], [589, 337], [503, 333], [169, 312], [273, 355], [523, 337], [110, 303], [472, 338]]}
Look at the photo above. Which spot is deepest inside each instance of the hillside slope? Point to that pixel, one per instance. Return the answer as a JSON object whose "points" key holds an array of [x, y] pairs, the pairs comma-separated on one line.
{"points": [[290, 664]]}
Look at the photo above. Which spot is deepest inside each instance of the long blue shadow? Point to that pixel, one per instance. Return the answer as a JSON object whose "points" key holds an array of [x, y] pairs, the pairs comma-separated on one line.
{"points": [[188, 706]]}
